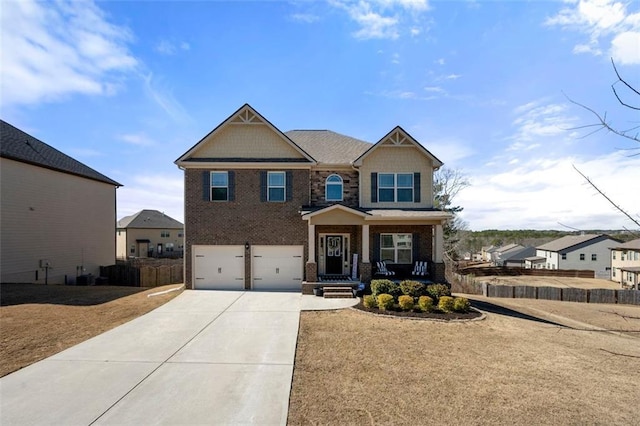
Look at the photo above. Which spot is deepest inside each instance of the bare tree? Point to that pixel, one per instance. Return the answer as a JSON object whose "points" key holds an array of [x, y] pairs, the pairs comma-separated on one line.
{"points": [[447, 183]]}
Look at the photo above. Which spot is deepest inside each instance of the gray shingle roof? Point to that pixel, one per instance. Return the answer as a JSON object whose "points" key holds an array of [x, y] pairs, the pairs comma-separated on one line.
{"points": [[149, 219], [328, 147], [20, 146], [567, 241], [629, 245]]}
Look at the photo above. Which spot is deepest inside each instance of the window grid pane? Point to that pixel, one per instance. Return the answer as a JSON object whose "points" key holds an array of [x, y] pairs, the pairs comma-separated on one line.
{"points": [[385, 195], [386, 180], [334, 192]]}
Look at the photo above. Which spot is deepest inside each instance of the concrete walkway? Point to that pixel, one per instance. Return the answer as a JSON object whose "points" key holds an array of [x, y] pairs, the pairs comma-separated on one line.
{"points": [[205, 357]]}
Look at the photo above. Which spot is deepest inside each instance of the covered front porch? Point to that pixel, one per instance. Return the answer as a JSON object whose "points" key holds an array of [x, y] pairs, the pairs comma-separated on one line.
{"points": [[345, 244]]}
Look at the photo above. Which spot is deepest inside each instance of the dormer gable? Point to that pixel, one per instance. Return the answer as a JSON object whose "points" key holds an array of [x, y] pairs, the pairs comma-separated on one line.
{"points": [[399, 138], [245, 137]]}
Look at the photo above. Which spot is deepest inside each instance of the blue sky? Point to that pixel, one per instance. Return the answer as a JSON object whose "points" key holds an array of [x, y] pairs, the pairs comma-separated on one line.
{"points": [[126, 87]]}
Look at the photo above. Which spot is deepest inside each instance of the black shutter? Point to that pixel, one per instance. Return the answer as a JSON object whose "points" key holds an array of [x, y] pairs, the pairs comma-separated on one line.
{"points": [[416, 187], [374, 189], [415, 244], [232, 185], [289, 185], [206, 185], [263, 185], [376, 247]]}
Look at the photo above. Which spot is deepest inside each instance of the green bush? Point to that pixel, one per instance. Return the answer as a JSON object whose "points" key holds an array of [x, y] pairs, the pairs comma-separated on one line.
{"points": [[461, 304], [445, 304], [412, 288], [405, 302], [385, 302], [436, 291], [425, 303], [369, 301], [385, 287]]}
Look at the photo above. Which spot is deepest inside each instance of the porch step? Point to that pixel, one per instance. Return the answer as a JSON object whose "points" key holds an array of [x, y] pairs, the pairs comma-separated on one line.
{"points": [[343, 292]]}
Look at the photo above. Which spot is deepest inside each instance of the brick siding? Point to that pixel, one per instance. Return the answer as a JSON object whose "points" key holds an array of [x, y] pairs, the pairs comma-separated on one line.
{"points": [[246, 219]]}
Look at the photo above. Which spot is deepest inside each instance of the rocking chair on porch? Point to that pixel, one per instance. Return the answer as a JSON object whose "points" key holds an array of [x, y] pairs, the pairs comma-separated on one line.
{"points": [[382, 269], [420, 269]]}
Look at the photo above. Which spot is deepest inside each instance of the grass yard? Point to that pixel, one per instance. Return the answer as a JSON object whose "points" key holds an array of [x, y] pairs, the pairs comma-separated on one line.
{"points": [[562, 282], [37, 321], [511, 368]]}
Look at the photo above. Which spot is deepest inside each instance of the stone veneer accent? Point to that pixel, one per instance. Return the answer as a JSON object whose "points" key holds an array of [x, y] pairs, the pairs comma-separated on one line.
{"points": [[311, 272], [350, 180], [246, 219]]}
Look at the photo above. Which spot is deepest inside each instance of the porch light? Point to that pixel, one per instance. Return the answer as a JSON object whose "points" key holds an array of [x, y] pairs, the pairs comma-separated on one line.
{"points": [[246, 245]]}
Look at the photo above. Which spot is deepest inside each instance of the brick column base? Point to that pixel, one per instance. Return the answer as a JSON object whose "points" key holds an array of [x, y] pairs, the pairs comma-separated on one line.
{"points": [[437, 273], [365, 272], [311, 272]]}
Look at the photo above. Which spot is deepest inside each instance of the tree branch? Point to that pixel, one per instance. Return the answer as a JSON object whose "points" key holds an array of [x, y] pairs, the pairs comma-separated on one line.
{"points": [[620, 209]]}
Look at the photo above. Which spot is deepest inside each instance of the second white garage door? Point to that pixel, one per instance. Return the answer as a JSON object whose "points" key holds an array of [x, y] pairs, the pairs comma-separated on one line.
{"points": [[218, 267], [277, 267]]}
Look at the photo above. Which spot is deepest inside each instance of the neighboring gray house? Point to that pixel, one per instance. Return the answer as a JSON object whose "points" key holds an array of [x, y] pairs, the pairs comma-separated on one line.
{"points": [[57, 215], [498, 255], [583, 252], [516, 258], [149, 233]]}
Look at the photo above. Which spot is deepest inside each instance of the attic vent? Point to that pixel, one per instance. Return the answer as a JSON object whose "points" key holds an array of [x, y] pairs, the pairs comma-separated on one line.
{"points": [[396, 138], [246, 117]]}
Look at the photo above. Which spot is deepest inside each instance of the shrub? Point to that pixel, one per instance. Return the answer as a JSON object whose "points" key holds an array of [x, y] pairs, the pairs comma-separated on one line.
{"points": [[385, 302], [369, 301], [425, 303], [405, 302], [385, 287], [412, 288], [445, 304], [436, 291], [461, 304]]}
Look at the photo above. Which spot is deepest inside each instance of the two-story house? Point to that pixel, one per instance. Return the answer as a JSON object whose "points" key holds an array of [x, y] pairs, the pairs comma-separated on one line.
{"points": [[582, 252], [266, 209], [149, 233], [625, 263]]}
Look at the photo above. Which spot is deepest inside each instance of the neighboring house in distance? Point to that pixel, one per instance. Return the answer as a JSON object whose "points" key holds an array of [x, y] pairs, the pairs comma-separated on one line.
{"points": [[499, 253], [582, 252], [625, 263], [149, 233], [58, 215], [516, 258], [267, 210], [485, 253]]}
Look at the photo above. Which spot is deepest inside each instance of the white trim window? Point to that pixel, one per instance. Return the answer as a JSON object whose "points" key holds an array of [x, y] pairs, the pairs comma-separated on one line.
{"points": [[219, 186], [276, 186], [396, 248], [333, 188], [395, 187]]}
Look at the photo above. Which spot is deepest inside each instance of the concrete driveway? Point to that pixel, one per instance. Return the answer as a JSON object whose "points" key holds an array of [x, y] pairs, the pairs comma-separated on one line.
{"points": [[205, 357]]}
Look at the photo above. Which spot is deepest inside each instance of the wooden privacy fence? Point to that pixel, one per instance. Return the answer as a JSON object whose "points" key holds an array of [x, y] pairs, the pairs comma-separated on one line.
{"points": [[598, 295], [142, 276], [498, 270]]}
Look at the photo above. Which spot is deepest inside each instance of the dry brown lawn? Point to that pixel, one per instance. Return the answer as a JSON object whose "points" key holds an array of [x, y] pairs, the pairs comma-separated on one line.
{"points": [[37, 321], [355, 368], [562, 282]]}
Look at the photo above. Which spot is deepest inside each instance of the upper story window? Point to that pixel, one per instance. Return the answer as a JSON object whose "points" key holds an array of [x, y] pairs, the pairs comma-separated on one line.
{"points": [[219, 186], [613, 254], [165, 234], [333, 188], [594, 257], [276, 185], [581, 256], [564, 256], [395, 187]]}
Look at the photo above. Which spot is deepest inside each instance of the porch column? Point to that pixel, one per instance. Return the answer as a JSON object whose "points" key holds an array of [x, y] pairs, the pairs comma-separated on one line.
{"points": [[439, 244], [365, 243], [312, 243]]}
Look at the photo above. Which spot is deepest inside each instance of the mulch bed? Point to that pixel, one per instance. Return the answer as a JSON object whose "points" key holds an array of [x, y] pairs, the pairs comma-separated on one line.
{"points": [[424, 315]]}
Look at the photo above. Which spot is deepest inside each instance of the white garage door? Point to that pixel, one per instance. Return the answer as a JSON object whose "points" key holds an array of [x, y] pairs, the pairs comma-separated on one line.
{"points": [[218, 267], [277, 267]]}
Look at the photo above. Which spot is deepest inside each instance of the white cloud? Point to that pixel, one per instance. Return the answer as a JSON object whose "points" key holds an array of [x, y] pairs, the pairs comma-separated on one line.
{"points": [[383, 19], [138, 139], [51, 50], [452, 76], [306, 18], [164, 98], [152, 191], [434, 89], [538, 193], [440, 61], [603, 21], [449, 150], [167, 47], [536, 120]]}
